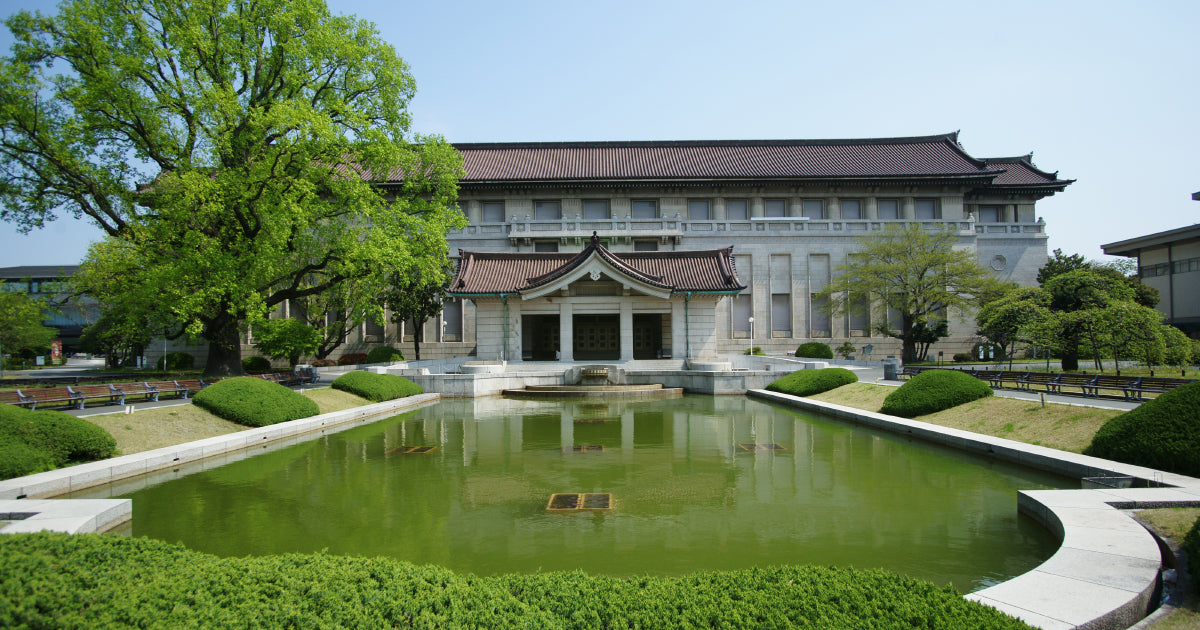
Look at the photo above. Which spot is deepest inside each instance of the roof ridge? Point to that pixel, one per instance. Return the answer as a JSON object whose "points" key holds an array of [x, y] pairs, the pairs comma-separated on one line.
{"points": [[614, 144]]}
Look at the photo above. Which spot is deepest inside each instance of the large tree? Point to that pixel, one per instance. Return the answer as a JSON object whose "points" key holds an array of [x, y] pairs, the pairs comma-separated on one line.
{"points": [[913, 271], [236, 154], [21, 327]]}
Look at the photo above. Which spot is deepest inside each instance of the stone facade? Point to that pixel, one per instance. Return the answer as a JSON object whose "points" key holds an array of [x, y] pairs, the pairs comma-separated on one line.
{"points": [[1170, 262]]}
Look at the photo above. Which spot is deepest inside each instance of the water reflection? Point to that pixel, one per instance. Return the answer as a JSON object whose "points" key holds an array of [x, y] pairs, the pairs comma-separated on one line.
{"points": [[686, 496]]}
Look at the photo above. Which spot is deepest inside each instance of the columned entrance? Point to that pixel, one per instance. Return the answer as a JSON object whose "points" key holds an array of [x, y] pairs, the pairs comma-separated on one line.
{"points": [[597, 337], [647, 336]]}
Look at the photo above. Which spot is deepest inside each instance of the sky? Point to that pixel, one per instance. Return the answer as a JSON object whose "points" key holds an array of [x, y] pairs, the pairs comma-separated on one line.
{"points": [[1104, 92]]}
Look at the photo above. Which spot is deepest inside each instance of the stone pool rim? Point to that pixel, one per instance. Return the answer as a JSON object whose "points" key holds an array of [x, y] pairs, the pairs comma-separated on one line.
{"points": [[1104, 574]]}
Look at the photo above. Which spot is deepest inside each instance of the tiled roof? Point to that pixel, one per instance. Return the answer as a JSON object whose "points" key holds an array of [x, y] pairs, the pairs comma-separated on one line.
{"points": [[493, 273], [1020, 171], [923, 156]]}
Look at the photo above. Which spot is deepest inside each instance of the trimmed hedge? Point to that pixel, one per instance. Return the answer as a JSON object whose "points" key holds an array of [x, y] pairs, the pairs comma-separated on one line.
{"points": [[814, 350], [932, 391], [809, 382], [256, 365], [89, 580], [1162, 433], [37, 441], [384, 354], [254, 402], [177, 361], [352, 358], [1191, 547], [376, 387]]}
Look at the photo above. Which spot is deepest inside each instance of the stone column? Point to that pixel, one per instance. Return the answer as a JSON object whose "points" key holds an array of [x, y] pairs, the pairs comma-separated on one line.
{"points": [[678, 329], [872, 209], [834, 209], [907, 209], [719, 213], [756, 207], [566, 332], [626, 330]]}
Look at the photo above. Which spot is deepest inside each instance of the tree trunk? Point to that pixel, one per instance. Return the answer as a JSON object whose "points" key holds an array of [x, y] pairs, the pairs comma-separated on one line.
{"points": [[224, 348], [908, 346], [1070, 361], [418, 333]]}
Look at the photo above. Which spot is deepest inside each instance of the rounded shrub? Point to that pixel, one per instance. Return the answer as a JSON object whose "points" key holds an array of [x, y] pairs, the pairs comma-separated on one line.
{"points": [[352, 358], [815, 350], [809, 382], [384, 354], [256, 365], [177, 361], [34, 441], [376, 387], [932, 391], [1162, 433], [254, 402]]}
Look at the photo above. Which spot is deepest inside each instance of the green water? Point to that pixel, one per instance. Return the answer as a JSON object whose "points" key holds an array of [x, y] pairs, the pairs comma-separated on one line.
{"points": [[685, 496]]}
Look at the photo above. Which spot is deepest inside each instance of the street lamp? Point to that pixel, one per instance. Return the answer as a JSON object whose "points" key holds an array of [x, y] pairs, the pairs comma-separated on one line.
{"points": [[751, 348], [445, 369]]}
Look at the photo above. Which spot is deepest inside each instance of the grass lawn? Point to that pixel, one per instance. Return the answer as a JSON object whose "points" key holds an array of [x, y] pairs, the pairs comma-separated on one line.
{"points": [[1064, 427], [149, 429], [1173, 524]]}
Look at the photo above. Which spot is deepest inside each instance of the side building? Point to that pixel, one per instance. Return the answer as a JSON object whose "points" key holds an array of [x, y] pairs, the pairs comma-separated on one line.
{"points": [[787, 212], [1170, 262]]}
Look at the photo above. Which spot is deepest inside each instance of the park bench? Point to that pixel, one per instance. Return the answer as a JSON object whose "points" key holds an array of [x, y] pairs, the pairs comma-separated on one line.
{"points": [[191, 386], [15, 397], [143, 390], [1153, 385], [51, 396], [166, 388], [108, 394], [307, 374], [1082, 381], [999, 379], [908, 372], [1109, 383], [1046, 381]]}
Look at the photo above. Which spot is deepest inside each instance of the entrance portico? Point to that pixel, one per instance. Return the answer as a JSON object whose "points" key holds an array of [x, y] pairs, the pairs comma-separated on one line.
{"points": [[595, 305]]}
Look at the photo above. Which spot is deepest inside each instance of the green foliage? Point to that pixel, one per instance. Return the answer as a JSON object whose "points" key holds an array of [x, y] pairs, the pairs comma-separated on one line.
{"points": [[1162, 433], [1060, 264], [286, 339], [34, 441], [176, 361], [814, 350], [756, 350], [384, 354], [21, 323], [257, 125], [93, 581], [416, 298], [916, 272], [963, 357], [256, 365], [119, 334], [845, 350], [352, 358], [809, 382], [376, 387], [254, 402], [932, 391], [1006, 320], [1191, 547]]}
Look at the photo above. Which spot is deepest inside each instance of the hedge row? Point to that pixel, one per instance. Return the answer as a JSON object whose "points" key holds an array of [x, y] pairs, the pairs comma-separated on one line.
{"points": [[37, 441], [932, 391], [810, 382], [254, 402], [57, 580], [814, 350], [384, 354], [376, 387], [1162, 433]]}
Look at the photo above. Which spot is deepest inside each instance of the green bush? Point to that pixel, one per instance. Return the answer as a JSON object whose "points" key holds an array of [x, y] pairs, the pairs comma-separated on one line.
{"points": [[756, 351], [96, 581], [809, 382], [36, 441], [376, 387], [1191, 547], [814, 350], [963, 357], [1163, 433], [932, 391], [254, 402], [178, 361], [352, 358], [256, 365], [384, 354]]}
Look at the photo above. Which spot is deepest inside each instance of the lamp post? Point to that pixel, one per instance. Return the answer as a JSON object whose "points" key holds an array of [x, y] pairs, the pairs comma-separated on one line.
{"points": [[751, 348], [445, 369]]}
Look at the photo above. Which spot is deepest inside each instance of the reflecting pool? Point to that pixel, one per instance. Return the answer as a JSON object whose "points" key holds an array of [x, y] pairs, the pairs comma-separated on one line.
{"points": [[696, 483]]}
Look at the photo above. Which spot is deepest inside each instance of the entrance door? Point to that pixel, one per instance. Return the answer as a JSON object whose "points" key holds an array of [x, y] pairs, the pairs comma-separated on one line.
{"points": [[597, 337], [647, 336], [540, 338]]}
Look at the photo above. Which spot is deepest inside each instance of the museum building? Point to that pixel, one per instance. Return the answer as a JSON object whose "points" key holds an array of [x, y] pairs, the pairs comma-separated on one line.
{"points": [[695, 249]]}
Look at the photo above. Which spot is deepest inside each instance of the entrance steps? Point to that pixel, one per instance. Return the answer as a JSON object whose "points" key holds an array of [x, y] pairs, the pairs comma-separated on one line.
{"points": [[594, 391]]}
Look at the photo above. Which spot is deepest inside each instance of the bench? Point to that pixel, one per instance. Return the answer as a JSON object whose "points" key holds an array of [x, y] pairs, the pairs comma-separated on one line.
{"points": [[15, 397], [168, 388], [144, 390], [51, 396], [997, 380], [908, 372], [108, 394], [1153, 385], [307, 374], [1048, 382]]}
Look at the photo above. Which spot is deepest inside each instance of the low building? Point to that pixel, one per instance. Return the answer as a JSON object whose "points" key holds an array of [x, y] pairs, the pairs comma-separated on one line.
{"points": [[48, 283], [1170, 262]]}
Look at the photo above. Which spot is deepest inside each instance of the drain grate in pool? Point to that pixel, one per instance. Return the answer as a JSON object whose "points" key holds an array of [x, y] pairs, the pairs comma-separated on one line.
{"points": [[762, 447], [574, 501], [587, 448], [411, 450], [591, 420]]}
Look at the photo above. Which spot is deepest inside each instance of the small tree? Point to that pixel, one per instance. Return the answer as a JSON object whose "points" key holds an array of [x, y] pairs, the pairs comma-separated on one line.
{"points": [[21, 327], [286, 339], [119, 335], [416, 299], [1005, 321], [845, 350]]}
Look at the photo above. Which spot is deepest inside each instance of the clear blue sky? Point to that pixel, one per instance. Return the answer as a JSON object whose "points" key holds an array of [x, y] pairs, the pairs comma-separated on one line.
{"points": [[1104, 92]]}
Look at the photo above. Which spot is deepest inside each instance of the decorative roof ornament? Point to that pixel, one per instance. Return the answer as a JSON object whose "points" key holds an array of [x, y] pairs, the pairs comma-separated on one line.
{"points": [[595, 239]]}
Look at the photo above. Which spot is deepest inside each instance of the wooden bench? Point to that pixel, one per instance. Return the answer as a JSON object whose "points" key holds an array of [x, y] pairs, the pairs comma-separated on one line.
{"points": [[15, 397], [166, 388], [1153, 385], [142, 390], [107, 394], [307, 374], [908, 372], [998, 380], [1046, 381], [51, 396]]}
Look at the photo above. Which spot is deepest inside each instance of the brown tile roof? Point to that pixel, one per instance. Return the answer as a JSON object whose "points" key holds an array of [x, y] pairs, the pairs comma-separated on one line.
{"points": [[493, 273], [1020, 171]]}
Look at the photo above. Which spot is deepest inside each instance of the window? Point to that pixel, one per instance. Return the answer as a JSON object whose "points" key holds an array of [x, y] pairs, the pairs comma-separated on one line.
{"points": [[493, 212], [859, 316], [698, 210], [452, 317], [1184, 266], [645, 209], [820, 326], [925, 209], [547, 210], [545, 246], [739, 318], [645, 246], [989, 214], [851, 209], [596, 209], [374, 328], [814, 208], [774, 208], [781, 315], [889, 209], [736, 210]]}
